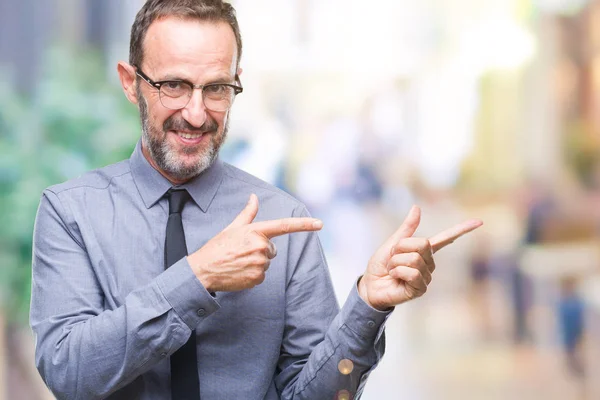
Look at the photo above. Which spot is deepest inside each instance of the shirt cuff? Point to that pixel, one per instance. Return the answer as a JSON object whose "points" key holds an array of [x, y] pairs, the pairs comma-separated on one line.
{"points": [[184, 292], [361, 318]]}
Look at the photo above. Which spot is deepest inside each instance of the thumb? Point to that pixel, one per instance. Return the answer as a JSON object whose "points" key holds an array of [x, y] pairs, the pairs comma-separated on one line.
{"points": [[247, 215], [409, 226]]}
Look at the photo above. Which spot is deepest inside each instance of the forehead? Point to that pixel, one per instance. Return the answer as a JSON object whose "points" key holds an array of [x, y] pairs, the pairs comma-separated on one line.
{"points": [[190, 47]]}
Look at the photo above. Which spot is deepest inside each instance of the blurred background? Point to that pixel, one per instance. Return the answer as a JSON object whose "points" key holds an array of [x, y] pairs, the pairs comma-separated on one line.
{"points": [[468, 108]]}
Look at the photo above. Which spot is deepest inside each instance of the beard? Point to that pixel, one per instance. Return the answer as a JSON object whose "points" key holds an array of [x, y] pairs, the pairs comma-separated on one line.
{"points": [[167, 156]]}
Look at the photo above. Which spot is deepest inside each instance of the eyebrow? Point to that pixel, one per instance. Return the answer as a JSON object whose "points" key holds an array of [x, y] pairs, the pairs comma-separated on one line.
{"points": [[174, 77]]}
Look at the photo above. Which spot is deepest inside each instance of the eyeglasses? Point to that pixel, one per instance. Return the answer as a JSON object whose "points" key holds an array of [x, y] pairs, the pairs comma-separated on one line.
{"points": [[176, 94]]}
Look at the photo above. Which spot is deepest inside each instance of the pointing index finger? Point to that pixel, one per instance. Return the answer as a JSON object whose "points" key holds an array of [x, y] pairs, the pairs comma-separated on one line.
{"points": [[283, 226], [449, 235]]}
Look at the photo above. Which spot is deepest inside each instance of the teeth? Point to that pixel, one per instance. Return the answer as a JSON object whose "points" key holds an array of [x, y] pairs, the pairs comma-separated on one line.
{"points": [[189, 135]]}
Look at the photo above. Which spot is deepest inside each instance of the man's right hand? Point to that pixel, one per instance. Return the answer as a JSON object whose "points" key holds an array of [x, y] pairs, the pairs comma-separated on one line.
{"points": [[238, 257]]}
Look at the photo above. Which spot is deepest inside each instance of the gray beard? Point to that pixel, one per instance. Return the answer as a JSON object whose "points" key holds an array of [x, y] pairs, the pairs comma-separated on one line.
{"points": [[166, 158]]}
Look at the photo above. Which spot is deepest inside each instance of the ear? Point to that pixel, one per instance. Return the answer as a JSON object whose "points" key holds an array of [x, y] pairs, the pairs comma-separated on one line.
{"points": [[127, 76]]}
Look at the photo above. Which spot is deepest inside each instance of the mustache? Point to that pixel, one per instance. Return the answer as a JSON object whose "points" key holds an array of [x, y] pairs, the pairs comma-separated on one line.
{"points": [[179, 124]]}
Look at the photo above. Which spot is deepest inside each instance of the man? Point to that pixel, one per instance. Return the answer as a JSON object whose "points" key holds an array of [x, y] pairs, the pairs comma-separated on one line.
{"points": [[119, 310]]}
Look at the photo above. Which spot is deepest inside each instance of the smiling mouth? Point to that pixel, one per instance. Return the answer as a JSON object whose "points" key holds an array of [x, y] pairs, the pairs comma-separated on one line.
{"points": [[189, 135]]}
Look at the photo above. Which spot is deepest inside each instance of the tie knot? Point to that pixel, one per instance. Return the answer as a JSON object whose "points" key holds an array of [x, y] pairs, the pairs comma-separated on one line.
{"points": [[177, 199]]}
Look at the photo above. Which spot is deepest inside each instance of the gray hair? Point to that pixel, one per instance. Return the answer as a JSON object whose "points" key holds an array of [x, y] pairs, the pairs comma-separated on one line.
{"points": [[202, 10]]}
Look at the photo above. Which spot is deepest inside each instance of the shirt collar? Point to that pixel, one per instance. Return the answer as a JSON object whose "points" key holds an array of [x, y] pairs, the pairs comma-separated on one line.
{"points": [[152, 185]]}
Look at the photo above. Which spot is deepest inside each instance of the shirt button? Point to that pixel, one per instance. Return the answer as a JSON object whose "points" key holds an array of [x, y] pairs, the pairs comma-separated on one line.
{"points": [[201, 312], [371, 324]]}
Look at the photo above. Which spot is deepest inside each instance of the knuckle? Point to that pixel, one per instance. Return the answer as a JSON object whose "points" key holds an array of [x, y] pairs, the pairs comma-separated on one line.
{"points": [[262, 260], [260, 278], [258, 260], [417, 292], [427, 246], [415, 259], [391, 264], [413, 294], [285, 227], [263, 247], [414, 275], [257, 274], [428, 279]]}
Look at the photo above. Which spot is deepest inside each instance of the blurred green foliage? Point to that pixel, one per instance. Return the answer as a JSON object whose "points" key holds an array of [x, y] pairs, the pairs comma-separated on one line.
{"points": [[75, 121]]}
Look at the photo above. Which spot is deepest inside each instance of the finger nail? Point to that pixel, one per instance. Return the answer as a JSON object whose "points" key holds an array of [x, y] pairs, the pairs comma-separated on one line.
{"points": [[317, 224]]}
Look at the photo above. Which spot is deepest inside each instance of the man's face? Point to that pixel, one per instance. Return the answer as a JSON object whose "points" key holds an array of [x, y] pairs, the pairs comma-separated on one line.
{"points": [[182, 143]]}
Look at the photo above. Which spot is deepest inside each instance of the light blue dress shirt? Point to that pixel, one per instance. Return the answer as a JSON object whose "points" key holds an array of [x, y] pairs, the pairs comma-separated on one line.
{"points": [[107, 316]]}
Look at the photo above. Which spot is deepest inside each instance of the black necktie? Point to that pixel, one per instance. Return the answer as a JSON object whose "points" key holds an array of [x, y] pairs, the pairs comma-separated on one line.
{"points": [[184, 364]]}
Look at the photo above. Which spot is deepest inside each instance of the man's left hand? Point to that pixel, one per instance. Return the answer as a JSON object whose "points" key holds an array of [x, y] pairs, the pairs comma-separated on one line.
{"points": [[401, 269]]}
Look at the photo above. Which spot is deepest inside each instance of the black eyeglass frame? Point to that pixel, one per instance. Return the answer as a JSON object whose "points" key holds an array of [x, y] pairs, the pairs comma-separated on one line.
{"points": [[237, 89]]}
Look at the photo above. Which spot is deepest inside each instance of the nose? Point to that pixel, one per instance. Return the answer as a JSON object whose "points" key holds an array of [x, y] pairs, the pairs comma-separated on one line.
{"points": [[195, 111]]}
